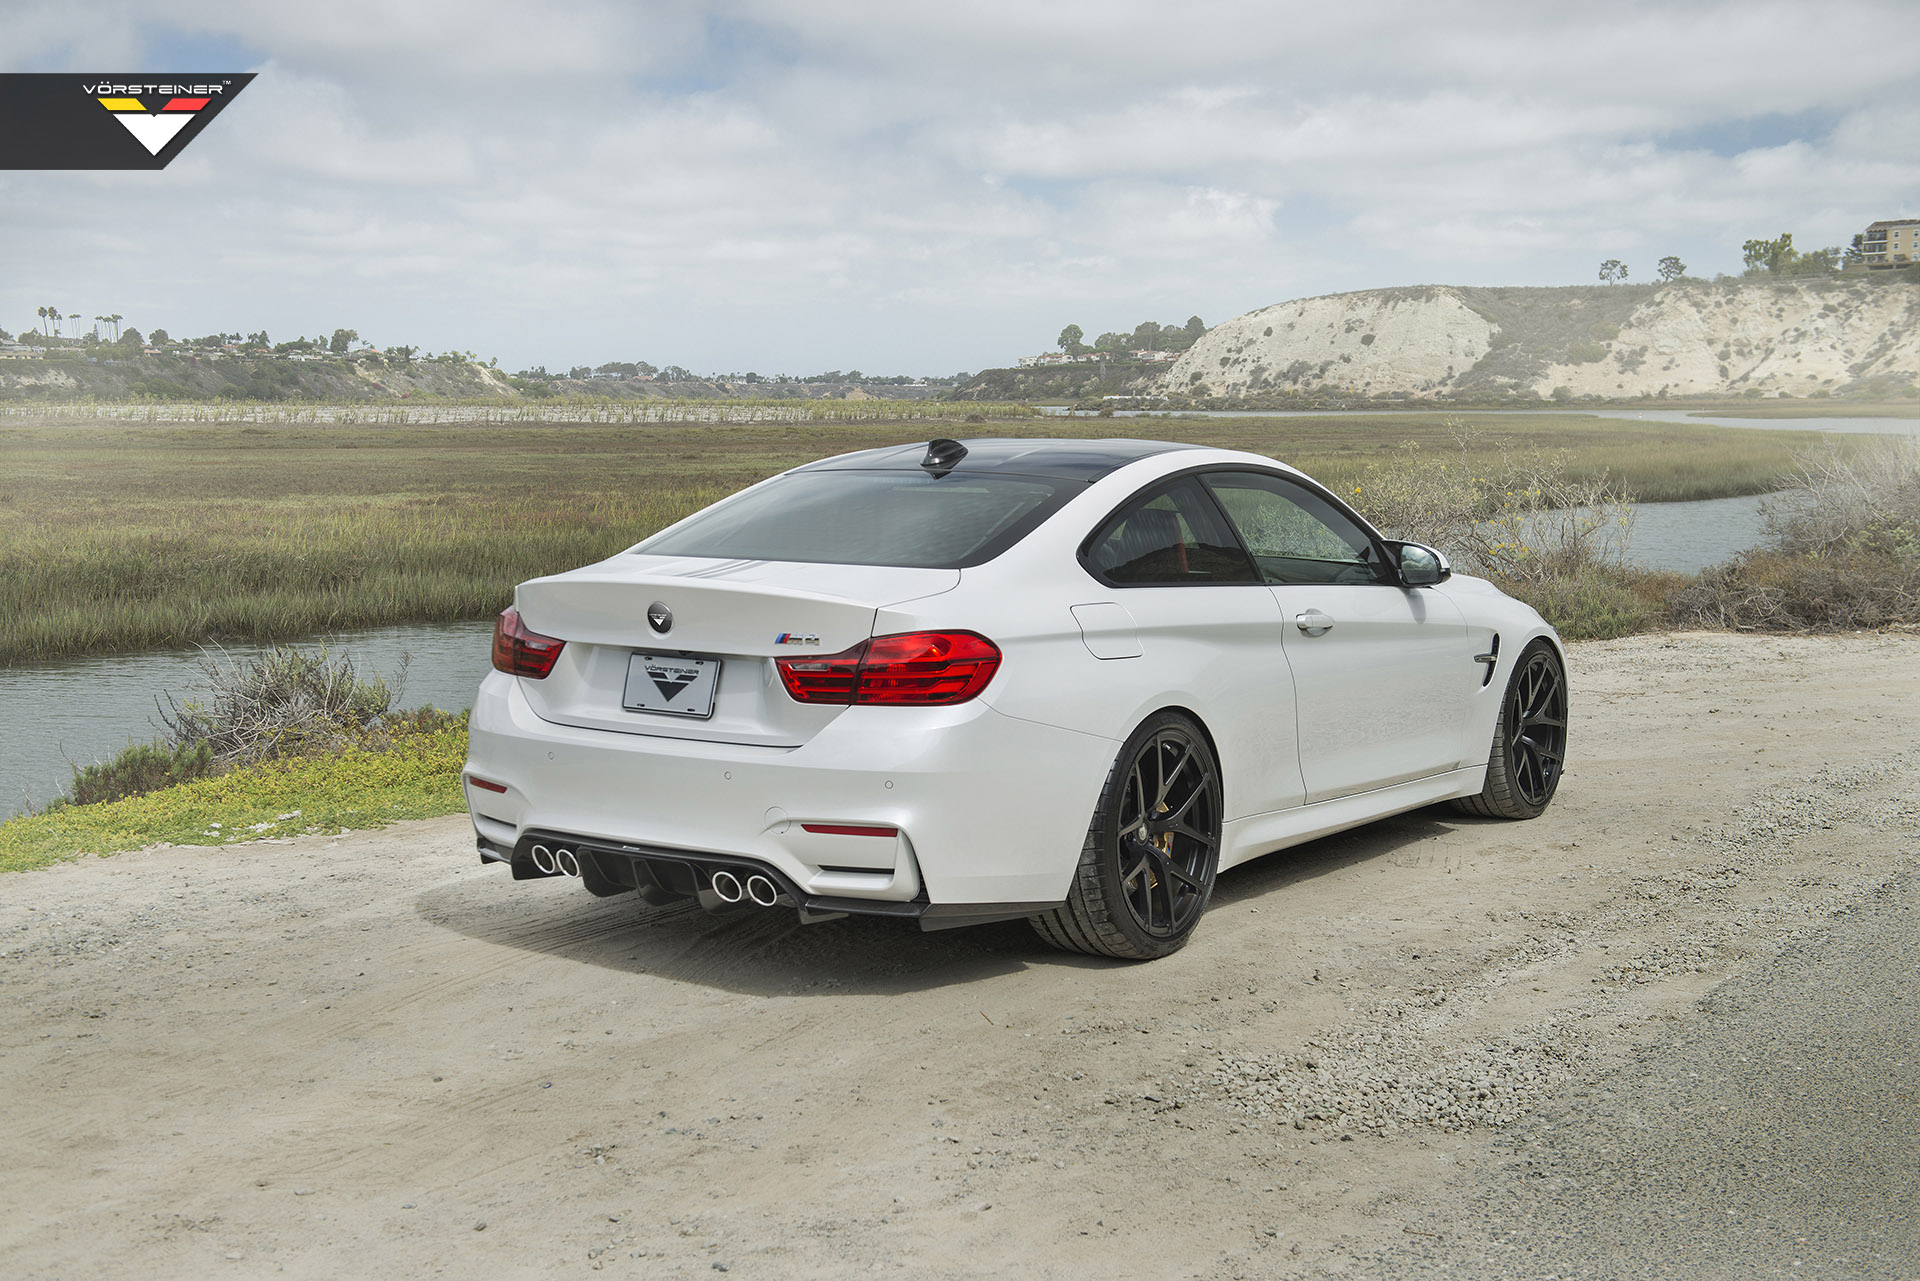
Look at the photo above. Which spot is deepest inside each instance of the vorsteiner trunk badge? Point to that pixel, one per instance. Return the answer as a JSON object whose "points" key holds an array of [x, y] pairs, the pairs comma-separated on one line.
{"points": [[660, 618]]}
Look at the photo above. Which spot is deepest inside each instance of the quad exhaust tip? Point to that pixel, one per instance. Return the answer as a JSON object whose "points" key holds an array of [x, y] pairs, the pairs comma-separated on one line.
{"points": [[727, 887], [762, 891]]}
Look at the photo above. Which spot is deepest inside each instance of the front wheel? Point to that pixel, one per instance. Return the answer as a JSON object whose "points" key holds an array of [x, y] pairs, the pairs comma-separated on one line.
{"points": [[1530, 741], [1147, 868]]}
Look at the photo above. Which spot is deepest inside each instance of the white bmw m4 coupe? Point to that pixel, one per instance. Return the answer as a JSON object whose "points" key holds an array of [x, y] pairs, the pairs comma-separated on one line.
{"points": [[980, 680]]}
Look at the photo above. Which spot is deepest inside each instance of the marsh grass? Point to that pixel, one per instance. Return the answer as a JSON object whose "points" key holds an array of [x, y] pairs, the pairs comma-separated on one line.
{"points": [[127, 536], [1842, 550]]}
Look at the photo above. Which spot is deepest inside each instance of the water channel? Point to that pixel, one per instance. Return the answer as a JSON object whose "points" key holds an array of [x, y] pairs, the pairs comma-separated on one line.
{"points": [[85, 709]]}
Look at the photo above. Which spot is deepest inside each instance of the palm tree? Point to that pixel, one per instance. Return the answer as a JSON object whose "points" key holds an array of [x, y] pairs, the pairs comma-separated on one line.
{"points": [[115, 320], [74, 316]]}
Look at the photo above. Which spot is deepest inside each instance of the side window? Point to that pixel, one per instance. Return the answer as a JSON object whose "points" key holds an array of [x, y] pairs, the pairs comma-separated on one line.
{"points": [[1295, 535], [1170, 536]]}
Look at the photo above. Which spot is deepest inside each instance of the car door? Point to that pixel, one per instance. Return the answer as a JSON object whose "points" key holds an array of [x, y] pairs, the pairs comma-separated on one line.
{"points": [[1382, 673], [1208, 635]]}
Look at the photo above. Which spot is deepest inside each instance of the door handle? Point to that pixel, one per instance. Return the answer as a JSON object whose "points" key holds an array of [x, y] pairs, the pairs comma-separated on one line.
{"points": [[1313, 622]]}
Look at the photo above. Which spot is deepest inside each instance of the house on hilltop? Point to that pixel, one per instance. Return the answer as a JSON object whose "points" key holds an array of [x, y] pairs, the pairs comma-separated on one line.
{"points": [[1890, 243]]}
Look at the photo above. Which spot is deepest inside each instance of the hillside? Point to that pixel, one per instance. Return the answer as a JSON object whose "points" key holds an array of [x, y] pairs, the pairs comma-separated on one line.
{"points": [[1799, 337], [108, 373]]}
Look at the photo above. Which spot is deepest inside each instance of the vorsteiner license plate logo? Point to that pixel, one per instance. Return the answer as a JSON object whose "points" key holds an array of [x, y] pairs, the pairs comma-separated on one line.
{"points": [[671, 680], [670, 684], [106, 121]]}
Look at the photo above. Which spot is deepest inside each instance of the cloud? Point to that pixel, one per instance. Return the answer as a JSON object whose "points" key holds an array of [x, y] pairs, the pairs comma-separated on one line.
{"points": [[922, 187]]}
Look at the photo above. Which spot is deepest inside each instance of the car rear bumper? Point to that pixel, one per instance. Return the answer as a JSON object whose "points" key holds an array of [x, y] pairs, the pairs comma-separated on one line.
{"points": [[985, 811]]}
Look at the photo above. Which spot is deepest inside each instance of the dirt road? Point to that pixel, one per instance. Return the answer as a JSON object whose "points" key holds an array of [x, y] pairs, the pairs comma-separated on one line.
{"points": [[370, 1056]]}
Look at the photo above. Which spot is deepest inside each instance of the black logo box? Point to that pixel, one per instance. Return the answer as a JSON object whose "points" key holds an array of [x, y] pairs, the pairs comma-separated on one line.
{"points": [[57, 122]]}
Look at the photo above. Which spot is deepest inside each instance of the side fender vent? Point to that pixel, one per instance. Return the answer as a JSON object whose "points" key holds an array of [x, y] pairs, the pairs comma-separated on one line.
{"points": [[1489, 660]]}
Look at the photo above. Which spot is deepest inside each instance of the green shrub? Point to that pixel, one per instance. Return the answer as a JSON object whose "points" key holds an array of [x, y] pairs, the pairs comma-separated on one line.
{"points": [[1600, 603], [140, 768], [1586, 353]]}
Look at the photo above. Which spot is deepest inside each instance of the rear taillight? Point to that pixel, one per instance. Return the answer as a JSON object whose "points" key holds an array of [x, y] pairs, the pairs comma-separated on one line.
{"points": [[519, 651], [917, 669]]}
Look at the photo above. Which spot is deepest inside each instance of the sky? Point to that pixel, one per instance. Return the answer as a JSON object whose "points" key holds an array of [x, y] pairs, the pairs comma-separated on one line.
{"points": [[907, 187]]}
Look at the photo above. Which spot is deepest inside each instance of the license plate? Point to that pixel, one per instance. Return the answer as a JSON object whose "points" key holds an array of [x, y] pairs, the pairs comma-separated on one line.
{"points": [[670, 685]]}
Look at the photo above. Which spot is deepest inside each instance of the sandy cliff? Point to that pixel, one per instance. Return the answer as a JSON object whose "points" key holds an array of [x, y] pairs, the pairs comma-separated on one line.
{"points": [[1792, 337]]}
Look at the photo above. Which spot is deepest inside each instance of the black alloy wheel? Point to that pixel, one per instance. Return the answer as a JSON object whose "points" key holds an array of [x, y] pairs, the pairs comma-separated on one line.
{"points": [[1530, 742], [1147, 869]]}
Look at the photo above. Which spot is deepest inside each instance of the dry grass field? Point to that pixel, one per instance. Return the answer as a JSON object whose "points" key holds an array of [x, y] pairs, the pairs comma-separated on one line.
{"points": [[124, 536]]}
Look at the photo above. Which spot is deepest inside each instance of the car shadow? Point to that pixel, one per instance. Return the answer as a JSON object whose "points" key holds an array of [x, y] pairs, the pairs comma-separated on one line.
{"points": [[769, 953]]}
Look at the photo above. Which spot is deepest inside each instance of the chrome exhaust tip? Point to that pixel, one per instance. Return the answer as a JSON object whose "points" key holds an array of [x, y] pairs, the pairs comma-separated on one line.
{"points": [[565, 863], [543, 859], [726, 886], [762, 891]]}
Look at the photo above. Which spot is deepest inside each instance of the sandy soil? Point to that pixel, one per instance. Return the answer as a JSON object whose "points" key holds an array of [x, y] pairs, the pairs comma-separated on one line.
{"points": [[370, 1056]]}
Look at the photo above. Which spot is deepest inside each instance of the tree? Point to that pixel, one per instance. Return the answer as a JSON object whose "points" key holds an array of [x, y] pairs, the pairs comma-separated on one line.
{"points": [[342, 339], [1147, 335], [1071, 340], [74, 316], [1774, 256], [1613, 271], [1671, 269], [160, 338], [131, 338], [1857, 251], [1195, 327], [1110, 342], [115, 320], [41, 316]]}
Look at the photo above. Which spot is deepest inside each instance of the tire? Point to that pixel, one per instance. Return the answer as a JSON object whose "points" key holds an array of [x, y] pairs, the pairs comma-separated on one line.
{"points": [[1529, 742], [1143, 881]]}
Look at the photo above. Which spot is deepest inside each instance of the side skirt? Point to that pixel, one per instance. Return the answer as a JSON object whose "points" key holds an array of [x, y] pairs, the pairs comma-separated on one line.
{"points": [[1257, 834]]}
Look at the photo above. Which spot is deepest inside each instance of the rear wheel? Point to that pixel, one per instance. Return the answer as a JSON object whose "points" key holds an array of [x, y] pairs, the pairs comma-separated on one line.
{"points": [[1529, 743], [1147, 868]]}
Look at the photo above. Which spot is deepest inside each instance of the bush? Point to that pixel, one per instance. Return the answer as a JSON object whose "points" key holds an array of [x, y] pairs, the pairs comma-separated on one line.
{"points": [[138, 769], [1842, 550], [1586, 353], [286, 702], [1600, 603]]}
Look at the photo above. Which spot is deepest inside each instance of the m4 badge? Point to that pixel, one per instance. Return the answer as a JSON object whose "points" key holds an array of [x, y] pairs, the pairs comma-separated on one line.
{"points": [[796, 638]]}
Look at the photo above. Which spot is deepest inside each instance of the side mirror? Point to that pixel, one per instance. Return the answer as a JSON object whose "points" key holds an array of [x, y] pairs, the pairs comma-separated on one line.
{"points": [[1420, 565]]}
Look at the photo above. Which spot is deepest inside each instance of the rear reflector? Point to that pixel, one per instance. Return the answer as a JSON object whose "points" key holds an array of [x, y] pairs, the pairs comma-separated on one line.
{"points": [[520, 651], [491, 787], [848, 829], [916, 669]]}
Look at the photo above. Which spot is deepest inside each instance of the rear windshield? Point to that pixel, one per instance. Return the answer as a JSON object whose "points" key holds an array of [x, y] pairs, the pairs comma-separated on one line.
{"points": [[906, 519]]}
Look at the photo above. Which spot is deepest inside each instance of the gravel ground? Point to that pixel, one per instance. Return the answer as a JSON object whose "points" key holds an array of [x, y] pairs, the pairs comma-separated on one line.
{"points": [[1774, 1132], [369, 1055]]}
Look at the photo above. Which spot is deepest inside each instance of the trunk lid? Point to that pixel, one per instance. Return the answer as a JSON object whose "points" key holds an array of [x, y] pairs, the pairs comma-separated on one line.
{"points": [[745, 614]]}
